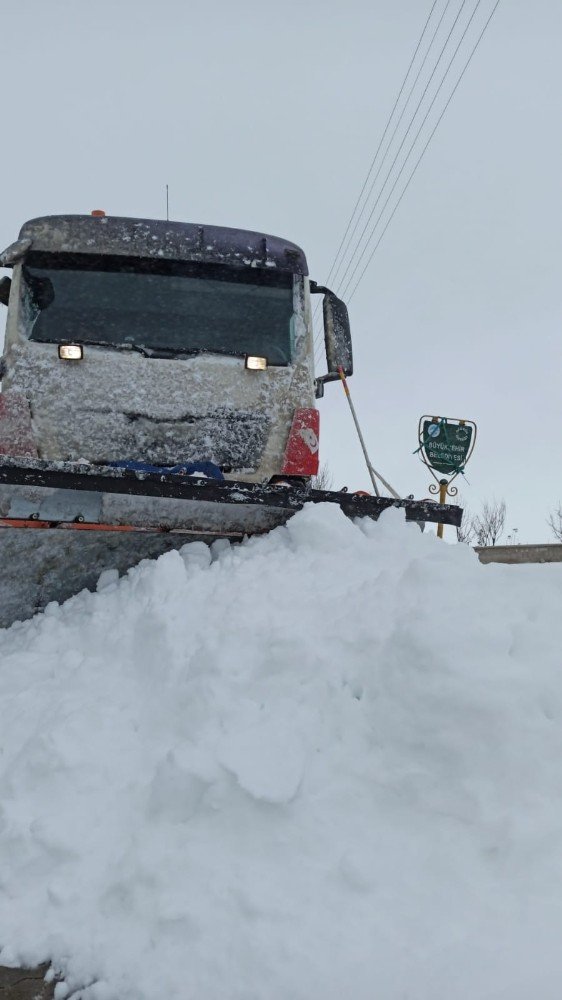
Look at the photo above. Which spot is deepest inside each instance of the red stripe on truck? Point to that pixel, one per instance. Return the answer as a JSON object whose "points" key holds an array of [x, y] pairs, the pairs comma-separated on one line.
{"points": [[301, 453]]}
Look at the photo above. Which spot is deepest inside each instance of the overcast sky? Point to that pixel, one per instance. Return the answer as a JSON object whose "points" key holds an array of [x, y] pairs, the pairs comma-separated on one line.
{"points": [[266, 116]]}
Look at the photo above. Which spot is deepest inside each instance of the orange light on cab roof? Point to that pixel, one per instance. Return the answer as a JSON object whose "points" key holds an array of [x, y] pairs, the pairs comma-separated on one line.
{"points": [[98, 213]]}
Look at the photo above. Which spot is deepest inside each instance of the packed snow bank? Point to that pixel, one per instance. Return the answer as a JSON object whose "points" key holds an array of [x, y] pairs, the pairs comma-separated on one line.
{"points": [[323, 764]]}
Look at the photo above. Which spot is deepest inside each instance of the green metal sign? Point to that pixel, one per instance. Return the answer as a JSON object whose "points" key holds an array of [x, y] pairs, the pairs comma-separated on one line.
{"points": [[446, 446]]}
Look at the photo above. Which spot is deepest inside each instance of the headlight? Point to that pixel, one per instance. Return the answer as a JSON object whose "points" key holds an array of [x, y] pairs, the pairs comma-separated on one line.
{"points": [[71, 352], [256, 364]]}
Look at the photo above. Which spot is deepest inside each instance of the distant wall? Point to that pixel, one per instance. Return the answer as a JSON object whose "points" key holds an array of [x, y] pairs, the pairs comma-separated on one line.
{"points": [[519, 553]]}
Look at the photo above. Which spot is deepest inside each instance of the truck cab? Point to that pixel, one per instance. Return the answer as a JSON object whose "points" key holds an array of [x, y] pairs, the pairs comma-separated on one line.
{"points": [[169, 343]]}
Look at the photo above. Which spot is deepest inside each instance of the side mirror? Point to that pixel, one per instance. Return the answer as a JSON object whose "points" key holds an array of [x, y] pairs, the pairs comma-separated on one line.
{"points": [[337, 337], [5, 285]]}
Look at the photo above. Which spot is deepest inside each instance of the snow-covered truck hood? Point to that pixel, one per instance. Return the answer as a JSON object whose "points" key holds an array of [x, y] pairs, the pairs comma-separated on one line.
{"points": [[116, 405]]}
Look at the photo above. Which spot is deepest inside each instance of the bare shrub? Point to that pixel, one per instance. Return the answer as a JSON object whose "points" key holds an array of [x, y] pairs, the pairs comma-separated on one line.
{"points": [[489, 525], [554, 522], [323, 480]]}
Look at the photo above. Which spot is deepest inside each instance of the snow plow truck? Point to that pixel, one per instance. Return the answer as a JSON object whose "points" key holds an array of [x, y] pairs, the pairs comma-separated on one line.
{"points": [[158, 386]]}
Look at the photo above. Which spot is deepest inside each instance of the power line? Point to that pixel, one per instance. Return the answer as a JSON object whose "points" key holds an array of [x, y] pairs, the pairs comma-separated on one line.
{"points": [[406, 158], [387, 126], [318, 335], [396, 127], [373, 161], [435, 127], [373, 231], [406, 133]]}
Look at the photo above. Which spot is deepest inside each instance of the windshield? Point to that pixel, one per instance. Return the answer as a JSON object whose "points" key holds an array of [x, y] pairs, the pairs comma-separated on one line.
{"points": [[162, 307]]}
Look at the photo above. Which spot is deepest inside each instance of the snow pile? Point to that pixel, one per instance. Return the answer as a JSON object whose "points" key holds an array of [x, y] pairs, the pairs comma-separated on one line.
{"points": [[323, 764]]}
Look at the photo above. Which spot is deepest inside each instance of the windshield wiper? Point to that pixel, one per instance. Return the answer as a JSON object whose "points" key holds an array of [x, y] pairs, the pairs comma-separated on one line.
{"points": [[179, 352], [102, 343], [172, 352], [145, 351], [154, 352]]}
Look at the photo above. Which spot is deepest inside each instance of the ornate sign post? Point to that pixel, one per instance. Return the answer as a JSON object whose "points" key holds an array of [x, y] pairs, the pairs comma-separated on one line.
{"points": [[445, 446]]}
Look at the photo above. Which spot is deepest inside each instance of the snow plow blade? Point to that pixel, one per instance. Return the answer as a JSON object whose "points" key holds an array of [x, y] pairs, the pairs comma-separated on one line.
{"points": [[62, 524]]}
